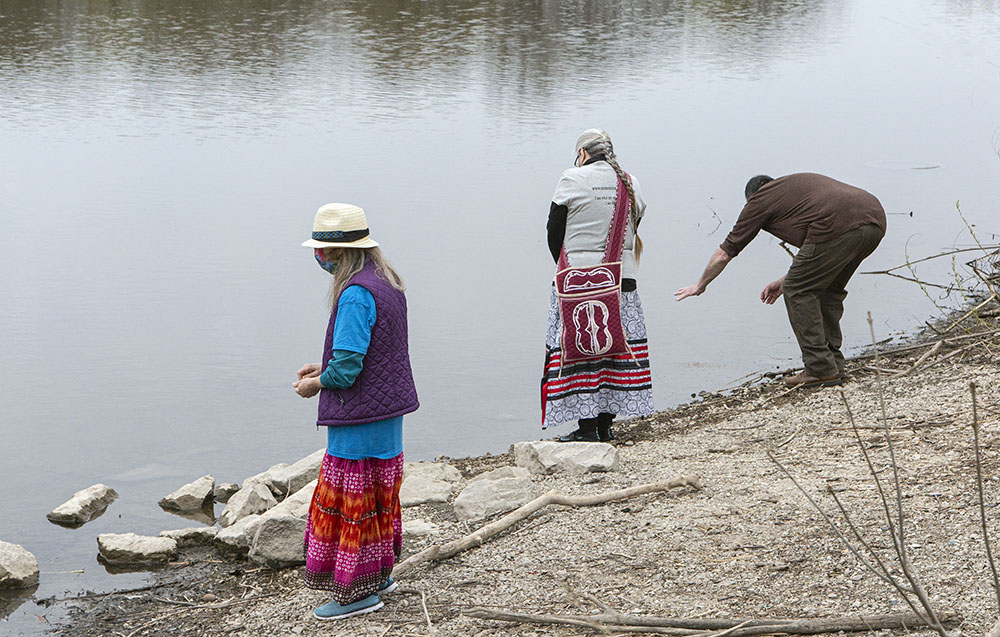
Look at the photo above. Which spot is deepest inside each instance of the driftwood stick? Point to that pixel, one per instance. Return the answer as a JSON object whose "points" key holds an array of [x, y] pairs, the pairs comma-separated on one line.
{"points": [[920, 360], [969, 313], [738, 627], [950, 355], [487, 532]]}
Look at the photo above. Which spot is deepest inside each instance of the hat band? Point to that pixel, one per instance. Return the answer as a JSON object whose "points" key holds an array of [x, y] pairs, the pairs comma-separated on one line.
{"points": [[339, 236]]}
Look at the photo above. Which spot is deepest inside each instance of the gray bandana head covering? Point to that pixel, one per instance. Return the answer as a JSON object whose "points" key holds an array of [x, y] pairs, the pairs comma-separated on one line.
{"points": [[595, 142]]}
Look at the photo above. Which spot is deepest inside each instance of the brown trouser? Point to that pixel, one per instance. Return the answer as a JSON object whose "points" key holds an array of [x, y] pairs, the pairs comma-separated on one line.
{"points": [[814, 295]]}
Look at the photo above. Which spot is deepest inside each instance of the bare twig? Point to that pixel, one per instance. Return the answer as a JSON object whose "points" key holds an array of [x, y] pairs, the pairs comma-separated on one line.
{"points": [[829, 522], [904, 560], [933, 256], [423, 602], [979, 485], [789, 439]]}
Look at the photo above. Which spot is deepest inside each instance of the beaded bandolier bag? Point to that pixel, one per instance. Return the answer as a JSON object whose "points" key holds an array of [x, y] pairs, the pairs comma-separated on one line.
{"points": [[590, 297]]}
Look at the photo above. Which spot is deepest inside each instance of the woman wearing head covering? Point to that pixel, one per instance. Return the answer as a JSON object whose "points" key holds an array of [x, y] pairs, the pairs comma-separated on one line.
{"points": [[365, 386], [584, 378]]}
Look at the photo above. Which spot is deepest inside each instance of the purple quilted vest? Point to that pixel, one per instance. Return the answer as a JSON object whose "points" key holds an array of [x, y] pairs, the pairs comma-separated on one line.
{"points": [[385, 388]]}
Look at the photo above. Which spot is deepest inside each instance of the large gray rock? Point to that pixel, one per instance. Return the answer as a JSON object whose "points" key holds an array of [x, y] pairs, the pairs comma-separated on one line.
{"points": [[84, 506], [254, 497], [278, 541], [502, 472], [224, 491], [194, 536], [566, 457], [269, 478], [432, 471], [295, 505], [235, 538], [18, 567], [420, 489], [483, 498], [192, 497], [420, 528], [295, 476], [129, 548]]}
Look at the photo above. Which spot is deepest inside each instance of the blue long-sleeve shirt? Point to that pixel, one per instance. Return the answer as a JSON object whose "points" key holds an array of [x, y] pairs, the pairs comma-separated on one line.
{"points": [[351, 337]]}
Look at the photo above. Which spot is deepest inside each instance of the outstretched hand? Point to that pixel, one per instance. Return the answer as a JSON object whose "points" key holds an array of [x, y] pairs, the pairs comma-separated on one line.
{"points": [[691, 290], [771, 291]]}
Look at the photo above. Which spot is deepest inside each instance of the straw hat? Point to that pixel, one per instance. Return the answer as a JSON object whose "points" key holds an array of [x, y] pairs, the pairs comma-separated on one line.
{"points": [[340, 225]]}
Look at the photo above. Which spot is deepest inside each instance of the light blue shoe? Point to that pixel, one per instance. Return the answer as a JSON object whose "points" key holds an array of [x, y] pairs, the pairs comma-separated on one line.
{"points": [[333, 610], [387, 586]]}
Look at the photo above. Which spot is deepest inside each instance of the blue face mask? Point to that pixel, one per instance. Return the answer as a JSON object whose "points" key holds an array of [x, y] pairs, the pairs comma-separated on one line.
{"points": [[329, 266]]}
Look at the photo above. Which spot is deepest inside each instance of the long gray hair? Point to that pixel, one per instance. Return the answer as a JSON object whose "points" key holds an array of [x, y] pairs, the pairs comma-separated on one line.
{"points": [[350, 261], [596, 142]]}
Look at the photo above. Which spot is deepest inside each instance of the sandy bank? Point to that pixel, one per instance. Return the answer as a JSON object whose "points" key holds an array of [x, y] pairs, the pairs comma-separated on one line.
{"points": [[747, 545]]}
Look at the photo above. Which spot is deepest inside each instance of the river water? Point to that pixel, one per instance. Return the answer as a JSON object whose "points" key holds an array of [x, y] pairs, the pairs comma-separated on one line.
{"points": [[161, 163]]}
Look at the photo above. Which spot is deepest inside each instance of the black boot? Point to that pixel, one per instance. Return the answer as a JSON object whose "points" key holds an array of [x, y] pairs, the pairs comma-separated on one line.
{"points": [[586, 432], [604, 427]]}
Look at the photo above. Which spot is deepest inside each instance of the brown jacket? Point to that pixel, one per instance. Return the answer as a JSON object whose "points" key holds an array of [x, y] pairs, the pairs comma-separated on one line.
{"points": [[804, 208]]}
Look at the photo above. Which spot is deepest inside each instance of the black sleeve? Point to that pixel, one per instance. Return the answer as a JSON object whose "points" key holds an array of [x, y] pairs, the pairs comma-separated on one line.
{"points": [[556, 228]]}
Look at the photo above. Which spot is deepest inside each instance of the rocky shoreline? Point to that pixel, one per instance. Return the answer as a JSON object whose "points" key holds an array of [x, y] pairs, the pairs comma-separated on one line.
{"points": [[746, 545]]}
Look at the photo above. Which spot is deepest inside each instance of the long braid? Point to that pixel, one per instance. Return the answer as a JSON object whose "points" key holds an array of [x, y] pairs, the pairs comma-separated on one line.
{"points": [[609, 156]]}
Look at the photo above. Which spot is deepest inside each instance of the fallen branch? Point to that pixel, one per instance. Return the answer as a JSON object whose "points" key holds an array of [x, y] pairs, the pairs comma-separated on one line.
{"points": [[734, 627], [949, 355], [920, 360], [478, 537], [969, 313]]}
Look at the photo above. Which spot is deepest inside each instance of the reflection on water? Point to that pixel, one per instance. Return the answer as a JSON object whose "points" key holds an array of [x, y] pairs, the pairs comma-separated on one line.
{"points": [[11, 600], [162, 159], [397, 56]]}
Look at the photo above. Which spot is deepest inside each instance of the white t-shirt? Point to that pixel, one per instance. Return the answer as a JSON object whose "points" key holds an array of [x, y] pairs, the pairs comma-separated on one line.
{"points": [[588, 192]]}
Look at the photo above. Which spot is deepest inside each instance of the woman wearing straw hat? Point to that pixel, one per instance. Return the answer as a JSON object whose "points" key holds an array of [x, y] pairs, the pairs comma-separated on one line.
{"points": [[354, 528], [596, 354]]}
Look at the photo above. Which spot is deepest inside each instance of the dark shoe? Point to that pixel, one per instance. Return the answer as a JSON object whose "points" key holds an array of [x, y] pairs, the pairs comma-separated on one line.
{"points": [[604, 433], [803, 379], [579, 435]]}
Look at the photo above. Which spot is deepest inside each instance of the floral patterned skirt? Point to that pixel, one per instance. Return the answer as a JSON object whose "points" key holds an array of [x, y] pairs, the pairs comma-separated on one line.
{"points": [[354, 531]]}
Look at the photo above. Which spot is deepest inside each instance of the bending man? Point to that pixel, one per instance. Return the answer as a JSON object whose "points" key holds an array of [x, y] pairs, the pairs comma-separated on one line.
{"points": [[835, 226]]}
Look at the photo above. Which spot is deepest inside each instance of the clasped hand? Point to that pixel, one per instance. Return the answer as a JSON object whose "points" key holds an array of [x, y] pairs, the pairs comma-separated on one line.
{"points": [[308, 384]]}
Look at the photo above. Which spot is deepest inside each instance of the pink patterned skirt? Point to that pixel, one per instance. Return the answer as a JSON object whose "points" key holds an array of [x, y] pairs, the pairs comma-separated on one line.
{"points": [[354, 532]]}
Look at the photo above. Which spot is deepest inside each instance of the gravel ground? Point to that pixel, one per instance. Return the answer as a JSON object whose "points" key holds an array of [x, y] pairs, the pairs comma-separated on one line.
{"points": [[748, 545]]}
